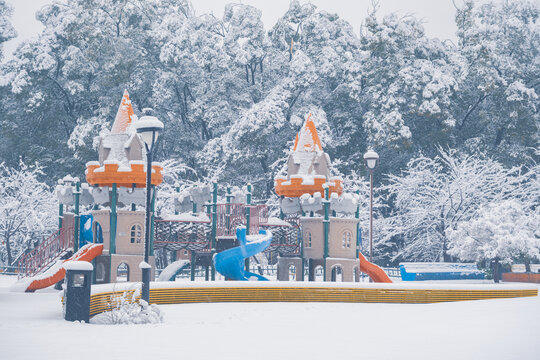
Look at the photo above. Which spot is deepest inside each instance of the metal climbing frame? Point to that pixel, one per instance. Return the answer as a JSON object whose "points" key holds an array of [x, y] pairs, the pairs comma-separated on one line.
{"points": [[229, 216], [196, 236], [286, 240], [176, 235]]}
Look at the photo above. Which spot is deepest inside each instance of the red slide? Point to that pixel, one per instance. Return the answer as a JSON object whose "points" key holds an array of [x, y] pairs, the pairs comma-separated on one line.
{"points": [[57, 272], [374, 272]]}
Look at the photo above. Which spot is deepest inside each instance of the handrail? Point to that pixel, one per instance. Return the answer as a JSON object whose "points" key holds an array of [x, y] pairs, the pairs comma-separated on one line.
{"points": [[46, 253]]}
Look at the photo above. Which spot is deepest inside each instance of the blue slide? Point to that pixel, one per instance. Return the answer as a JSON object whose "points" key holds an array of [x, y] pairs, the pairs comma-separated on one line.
{"points": [[230, 262]]}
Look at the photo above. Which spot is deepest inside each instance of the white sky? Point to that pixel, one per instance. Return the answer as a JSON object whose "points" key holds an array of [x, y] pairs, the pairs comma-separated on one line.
{"points": [[437, 15]]}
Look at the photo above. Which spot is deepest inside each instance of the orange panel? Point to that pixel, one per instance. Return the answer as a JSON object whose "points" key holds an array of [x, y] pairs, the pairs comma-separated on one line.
{"points": [[296, 188], [111, 175], [521, 277]]}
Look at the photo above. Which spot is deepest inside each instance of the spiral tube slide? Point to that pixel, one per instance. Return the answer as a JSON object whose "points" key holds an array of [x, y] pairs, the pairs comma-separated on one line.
{"points": [[230, 262]]}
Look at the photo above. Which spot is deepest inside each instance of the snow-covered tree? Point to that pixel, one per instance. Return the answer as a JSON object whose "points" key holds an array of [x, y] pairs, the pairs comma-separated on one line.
{"points": [[7, 31], [504, 231], [434, 195], [407, 88], [28, 209], [497, 104]]}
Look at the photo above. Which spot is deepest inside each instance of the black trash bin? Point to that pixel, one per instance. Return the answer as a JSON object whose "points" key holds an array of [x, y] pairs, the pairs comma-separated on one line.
{"points": [[78, 283]]}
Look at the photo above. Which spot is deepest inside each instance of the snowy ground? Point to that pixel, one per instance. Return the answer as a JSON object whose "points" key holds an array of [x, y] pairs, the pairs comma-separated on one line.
{"points": [[31, 326]]}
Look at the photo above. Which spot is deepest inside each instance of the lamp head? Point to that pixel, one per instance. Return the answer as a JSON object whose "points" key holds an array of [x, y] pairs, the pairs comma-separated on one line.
{"points": [[372, 159], [148, 127]]}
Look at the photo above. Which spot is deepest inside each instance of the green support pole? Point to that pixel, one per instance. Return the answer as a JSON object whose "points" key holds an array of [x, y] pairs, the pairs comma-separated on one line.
{"points": [[326, 226], [154, 191], [248, 213], [177, 188], [357, 216], [133, 206], [60, 215], [112, 248], [193, 265], [214, 225], [281, 213], [248, 218], [194, 207], [302, 258], [228, 199], [77, 216]]}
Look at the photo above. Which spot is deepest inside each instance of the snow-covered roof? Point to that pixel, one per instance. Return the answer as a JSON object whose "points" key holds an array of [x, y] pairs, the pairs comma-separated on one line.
{"points": [[307, 139], [188, 217], [124, 115], [274, 221]]}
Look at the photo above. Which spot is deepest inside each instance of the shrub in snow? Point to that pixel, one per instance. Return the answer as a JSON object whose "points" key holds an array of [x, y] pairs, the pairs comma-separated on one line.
{"points": [[27, 209], [434, 195], [127, 310], [503, 231]]}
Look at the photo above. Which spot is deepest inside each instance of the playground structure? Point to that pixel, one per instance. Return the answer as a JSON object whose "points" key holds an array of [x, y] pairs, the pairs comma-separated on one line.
{"points": [[317, 231], [317, 228], [116, 182]]}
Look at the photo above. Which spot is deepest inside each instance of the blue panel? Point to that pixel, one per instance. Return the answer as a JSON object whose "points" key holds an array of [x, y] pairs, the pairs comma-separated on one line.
{"points": [[86, 230], [405, 276], [411, 271]]}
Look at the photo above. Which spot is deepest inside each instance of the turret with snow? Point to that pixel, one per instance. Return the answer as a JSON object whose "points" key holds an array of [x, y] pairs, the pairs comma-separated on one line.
{"points": [[308, 166], [122, 154], [328, 217], [118, 179]]}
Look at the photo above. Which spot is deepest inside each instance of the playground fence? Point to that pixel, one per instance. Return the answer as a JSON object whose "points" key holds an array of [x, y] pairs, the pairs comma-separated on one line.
{"points": [[271, 270]]}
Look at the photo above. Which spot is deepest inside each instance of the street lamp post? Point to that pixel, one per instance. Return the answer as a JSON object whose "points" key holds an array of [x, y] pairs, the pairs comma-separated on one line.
{"points": [[148, 127], [372, 159]]}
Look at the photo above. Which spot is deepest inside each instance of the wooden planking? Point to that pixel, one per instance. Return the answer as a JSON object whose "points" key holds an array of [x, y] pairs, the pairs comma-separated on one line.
{"points": [[106, 301]]}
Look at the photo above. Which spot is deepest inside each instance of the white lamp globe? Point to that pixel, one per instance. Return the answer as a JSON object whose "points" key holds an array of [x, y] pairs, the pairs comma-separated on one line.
{"points": [[148, 127], [371, 158]]}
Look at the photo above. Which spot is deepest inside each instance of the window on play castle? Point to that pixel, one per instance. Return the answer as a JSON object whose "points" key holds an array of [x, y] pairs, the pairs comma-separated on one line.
{"points": [[136, 234], [346, 239], [308, 239]]}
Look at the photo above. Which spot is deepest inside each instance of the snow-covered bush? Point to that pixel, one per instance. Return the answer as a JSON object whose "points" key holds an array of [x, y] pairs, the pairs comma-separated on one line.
{"points": [[127, 310], [434, 195], [506, 231], [28, 209]]}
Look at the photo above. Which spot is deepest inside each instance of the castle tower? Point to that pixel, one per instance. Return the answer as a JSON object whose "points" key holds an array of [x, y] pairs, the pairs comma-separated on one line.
{"points": [[330, 237], [307, 166], [119, 179]]}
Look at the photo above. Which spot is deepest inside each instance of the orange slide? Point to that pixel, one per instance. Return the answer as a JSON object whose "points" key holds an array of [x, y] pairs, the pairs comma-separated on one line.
{"points": [[86, 253], [374, 272]]}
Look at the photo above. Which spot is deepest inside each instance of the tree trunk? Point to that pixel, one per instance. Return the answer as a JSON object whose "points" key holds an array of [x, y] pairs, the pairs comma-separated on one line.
{"points": [[527, 262], [8, 251], [496, 270]]}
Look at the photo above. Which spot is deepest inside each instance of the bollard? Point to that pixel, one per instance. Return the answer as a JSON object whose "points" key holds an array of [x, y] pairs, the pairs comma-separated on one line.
{"points": [[77, 290]]}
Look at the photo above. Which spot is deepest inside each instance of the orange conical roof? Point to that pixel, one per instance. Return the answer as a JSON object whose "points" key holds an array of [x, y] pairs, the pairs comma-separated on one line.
{"points": [[123, 116], [307, 138]]}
